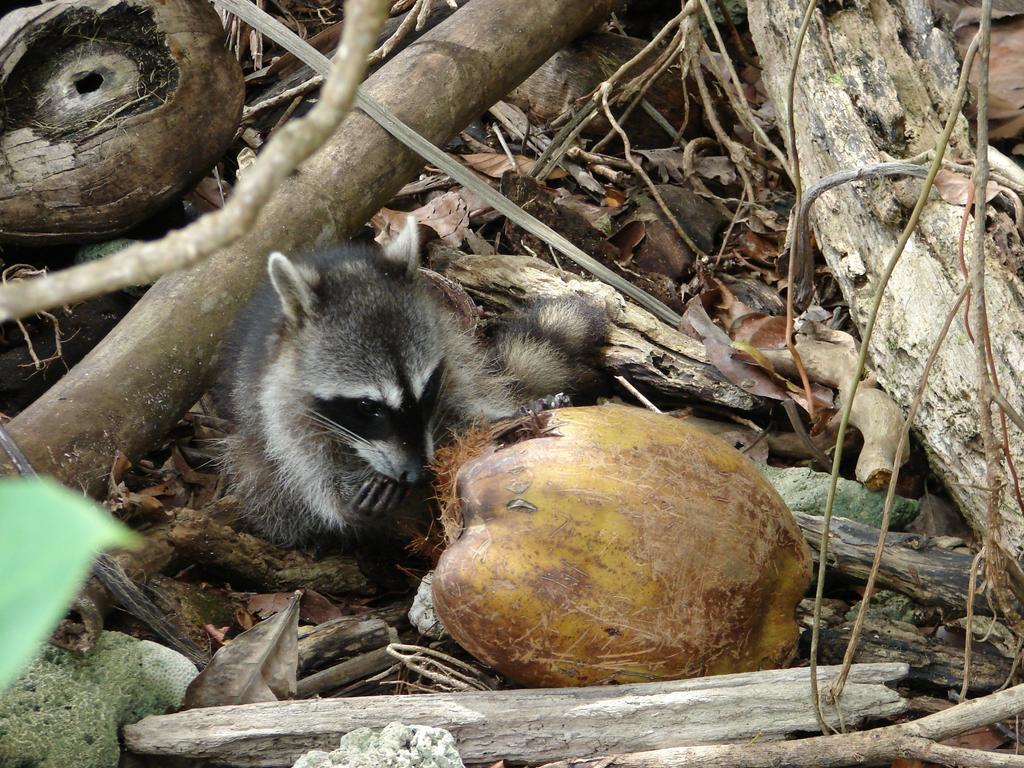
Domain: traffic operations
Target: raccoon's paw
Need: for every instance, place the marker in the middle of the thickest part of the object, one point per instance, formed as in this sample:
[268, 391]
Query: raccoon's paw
[547, 403]
[378, 495]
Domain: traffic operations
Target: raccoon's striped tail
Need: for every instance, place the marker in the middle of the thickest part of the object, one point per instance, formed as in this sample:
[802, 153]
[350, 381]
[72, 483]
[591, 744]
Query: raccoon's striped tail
[553, 347]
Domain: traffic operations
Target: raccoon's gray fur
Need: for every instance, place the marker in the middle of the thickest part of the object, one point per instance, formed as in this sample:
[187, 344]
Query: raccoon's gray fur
[345, 370]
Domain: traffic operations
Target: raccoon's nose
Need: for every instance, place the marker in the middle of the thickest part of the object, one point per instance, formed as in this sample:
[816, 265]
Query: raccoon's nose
[411, 476]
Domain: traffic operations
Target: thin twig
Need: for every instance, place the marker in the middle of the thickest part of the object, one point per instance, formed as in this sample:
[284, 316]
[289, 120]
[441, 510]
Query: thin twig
[647, 79]
[411, 20]
[737, 99]
[836, 687]
[279, 98]
[638, 169]
[794, 175]
[883, 282]
[972, 587]
[568, 134]
[995, 569]
[735, 150]
[628, 386]
[1008, 409]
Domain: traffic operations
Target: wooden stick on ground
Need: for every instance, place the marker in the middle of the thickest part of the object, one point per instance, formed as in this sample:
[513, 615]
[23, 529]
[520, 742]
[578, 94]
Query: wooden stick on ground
[911, 563]
[527, 725]
[913, 740]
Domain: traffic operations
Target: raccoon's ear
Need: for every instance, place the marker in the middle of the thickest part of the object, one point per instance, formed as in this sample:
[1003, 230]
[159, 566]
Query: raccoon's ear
[292, 287]
[404, 249]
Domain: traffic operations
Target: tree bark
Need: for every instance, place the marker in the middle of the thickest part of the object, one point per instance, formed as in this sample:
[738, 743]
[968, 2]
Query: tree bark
[874, 83]
[911, 563]
[528, 725]
[134, 386]
[659, 360]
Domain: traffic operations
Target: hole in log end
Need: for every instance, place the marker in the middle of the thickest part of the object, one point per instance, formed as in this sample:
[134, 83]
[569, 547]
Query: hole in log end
[89, 82]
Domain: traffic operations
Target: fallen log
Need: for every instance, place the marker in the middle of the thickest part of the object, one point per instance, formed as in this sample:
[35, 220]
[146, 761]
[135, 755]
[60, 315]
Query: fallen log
[916, 740]
[528, 725]
[847, 117]
[911, 563]
[132, 388]
[935, 664]
[662, 362]
[248, 559]
[111, 108]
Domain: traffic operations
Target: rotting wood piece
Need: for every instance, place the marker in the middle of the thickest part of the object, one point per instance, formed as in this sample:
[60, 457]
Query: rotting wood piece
[848, 117]
[528, 725]
[108, 110]
[934, 664]
[911, 564]
[252, 560]
[341, 638]
[917, 740]
[345, 673]
[131, 389]
[660, 361]
[874, 414]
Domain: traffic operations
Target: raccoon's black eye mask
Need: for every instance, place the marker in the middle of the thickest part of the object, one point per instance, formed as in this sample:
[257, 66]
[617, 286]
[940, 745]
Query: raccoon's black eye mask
[375, 420]
[370, 419]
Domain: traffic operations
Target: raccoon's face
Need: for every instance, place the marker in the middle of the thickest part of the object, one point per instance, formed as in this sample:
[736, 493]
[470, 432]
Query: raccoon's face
[365, 341]
[387, 419]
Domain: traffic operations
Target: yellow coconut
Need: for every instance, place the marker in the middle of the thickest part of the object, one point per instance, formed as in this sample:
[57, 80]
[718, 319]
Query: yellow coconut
[621, 546]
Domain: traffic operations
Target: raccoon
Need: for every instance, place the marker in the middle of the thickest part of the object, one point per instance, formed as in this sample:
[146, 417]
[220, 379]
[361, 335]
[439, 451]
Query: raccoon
[345, 371]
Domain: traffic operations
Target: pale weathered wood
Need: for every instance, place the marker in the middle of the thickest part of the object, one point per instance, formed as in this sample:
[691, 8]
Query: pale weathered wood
[874, 83]
[660, 361]
[528, 725]
[914, 740]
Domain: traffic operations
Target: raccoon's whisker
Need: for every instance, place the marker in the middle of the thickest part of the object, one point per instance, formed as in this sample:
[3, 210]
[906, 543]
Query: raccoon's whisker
[334, 435]
[328, 430]
[333, 428]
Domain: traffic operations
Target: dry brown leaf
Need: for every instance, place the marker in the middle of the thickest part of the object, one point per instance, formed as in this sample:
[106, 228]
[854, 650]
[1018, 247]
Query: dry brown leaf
[718, 168]
[745, 366]
[985, 738]
[314, 608]
[762, 331]
[447, 215]
[258, 665]
[667, 162]
[627, 239]
[955, 188]
[720, 352]
[496, 164]
[613, 198]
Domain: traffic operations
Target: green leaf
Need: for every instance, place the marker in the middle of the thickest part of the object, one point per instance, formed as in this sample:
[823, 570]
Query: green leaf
[48, 539]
